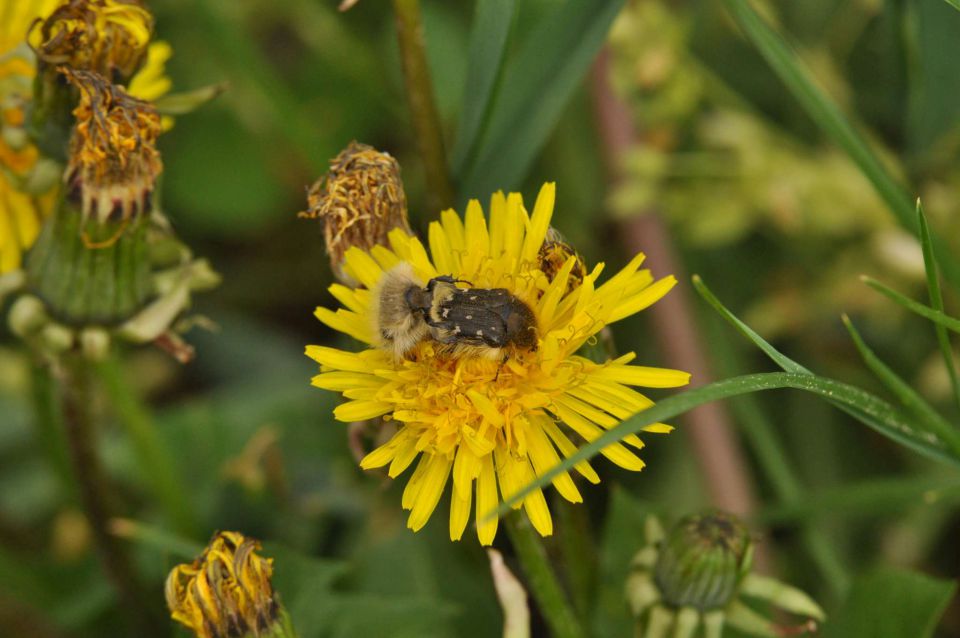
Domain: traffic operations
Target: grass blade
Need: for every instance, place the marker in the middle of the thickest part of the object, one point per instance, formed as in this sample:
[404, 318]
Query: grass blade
[828, 116]
[778, 357]
[935, 316]
[953, 3]
[884, 418]
[912, 401]
[488, 44]
[936, 298]
[869, 418]
[536, 87]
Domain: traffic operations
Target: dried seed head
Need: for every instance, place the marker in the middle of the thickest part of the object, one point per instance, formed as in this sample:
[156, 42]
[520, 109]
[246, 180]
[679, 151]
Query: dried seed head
[109, 37]
[360, 200]
[113, 161]
[554, 253]
[226, 592]
[702, 561]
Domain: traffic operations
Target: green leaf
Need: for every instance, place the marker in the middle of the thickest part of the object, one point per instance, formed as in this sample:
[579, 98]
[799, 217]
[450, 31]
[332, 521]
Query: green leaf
[903, 433]
[536, 86]
[933, 315]
[953, 3]
[779, 358]
[488, 44]
[936, 298]
[883, 417]
[828, 116]
[909, 397]
[187, 101]
[931, 32]
[892, 603]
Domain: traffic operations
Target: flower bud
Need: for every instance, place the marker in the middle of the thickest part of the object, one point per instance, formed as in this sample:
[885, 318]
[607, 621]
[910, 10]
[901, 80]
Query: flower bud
[702, 561]
[360, 200]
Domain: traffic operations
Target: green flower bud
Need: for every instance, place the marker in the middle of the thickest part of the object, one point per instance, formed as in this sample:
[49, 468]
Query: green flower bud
[702, 561]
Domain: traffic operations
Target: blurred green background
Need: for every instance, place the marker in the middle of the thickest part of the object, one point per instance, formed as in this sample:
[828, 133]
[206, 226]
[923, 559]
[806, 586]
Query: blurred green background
[777, 219]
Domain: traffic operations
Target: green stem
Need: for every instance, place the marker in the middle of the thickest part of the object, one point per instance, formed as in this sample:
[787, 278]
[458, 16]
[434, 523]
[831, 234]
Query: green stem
[49, 425]
[156, 462]
[95, 495]
[541, 578]
[576, 547]
[423, 108]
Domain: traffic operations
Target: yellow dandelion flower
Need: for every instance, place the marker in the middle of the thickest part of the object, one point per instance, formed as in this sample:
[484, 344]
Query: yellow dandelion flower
[492, 426]
[22, 207]
[227, 592]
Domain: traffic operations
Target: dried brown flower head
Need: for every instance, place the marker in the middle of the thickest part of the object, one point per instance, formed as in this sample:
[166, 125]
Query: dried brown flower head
[109, 37]
[360, 200]
[113, 160]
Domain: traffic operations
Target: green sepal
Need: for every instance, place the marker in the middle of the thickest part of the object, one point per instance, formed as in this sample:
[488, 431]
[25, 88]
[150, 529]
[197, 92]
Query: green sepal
[82, 285]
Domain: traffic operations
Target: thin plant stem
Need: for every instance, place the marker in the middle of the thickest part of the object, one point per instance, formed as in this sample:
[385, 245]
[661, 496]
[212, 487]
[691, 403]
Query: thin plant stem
[710, 429]
[158, 464]
[542, 579]
[48, 424]
[95, 494]
[423, 107]
[577, 549]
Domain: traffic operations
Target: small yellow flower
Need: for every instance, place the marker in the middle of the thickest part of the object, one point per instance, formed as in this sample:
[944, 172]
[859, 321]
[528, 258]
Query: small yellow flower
[26, 200]
[227, 591]
[492, 428]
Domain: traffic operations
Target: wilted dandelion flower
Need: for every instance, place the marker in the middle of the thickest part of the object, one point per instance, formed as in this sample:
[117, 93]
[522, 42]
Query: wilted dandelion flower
[27, 181]
[114, 161]
[227, 592]
[360, 200]
[109, 37]
[494, 426]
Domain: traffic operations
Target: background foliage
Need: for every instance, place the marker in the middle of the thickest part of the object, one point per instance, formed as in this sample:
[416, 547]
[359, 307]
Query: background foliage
[781, 192]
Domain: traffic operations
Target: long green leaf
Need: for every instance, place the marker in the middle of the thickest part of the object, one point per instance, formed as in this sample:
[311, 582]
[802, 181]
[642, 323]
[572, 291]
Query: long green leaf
[488, 44]
[779, 358]
[935, 316]
[936, 298]
[536, 86]
[909, 397]
[864, 416]
[828, 116]
[953, 3]
[884, 418]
